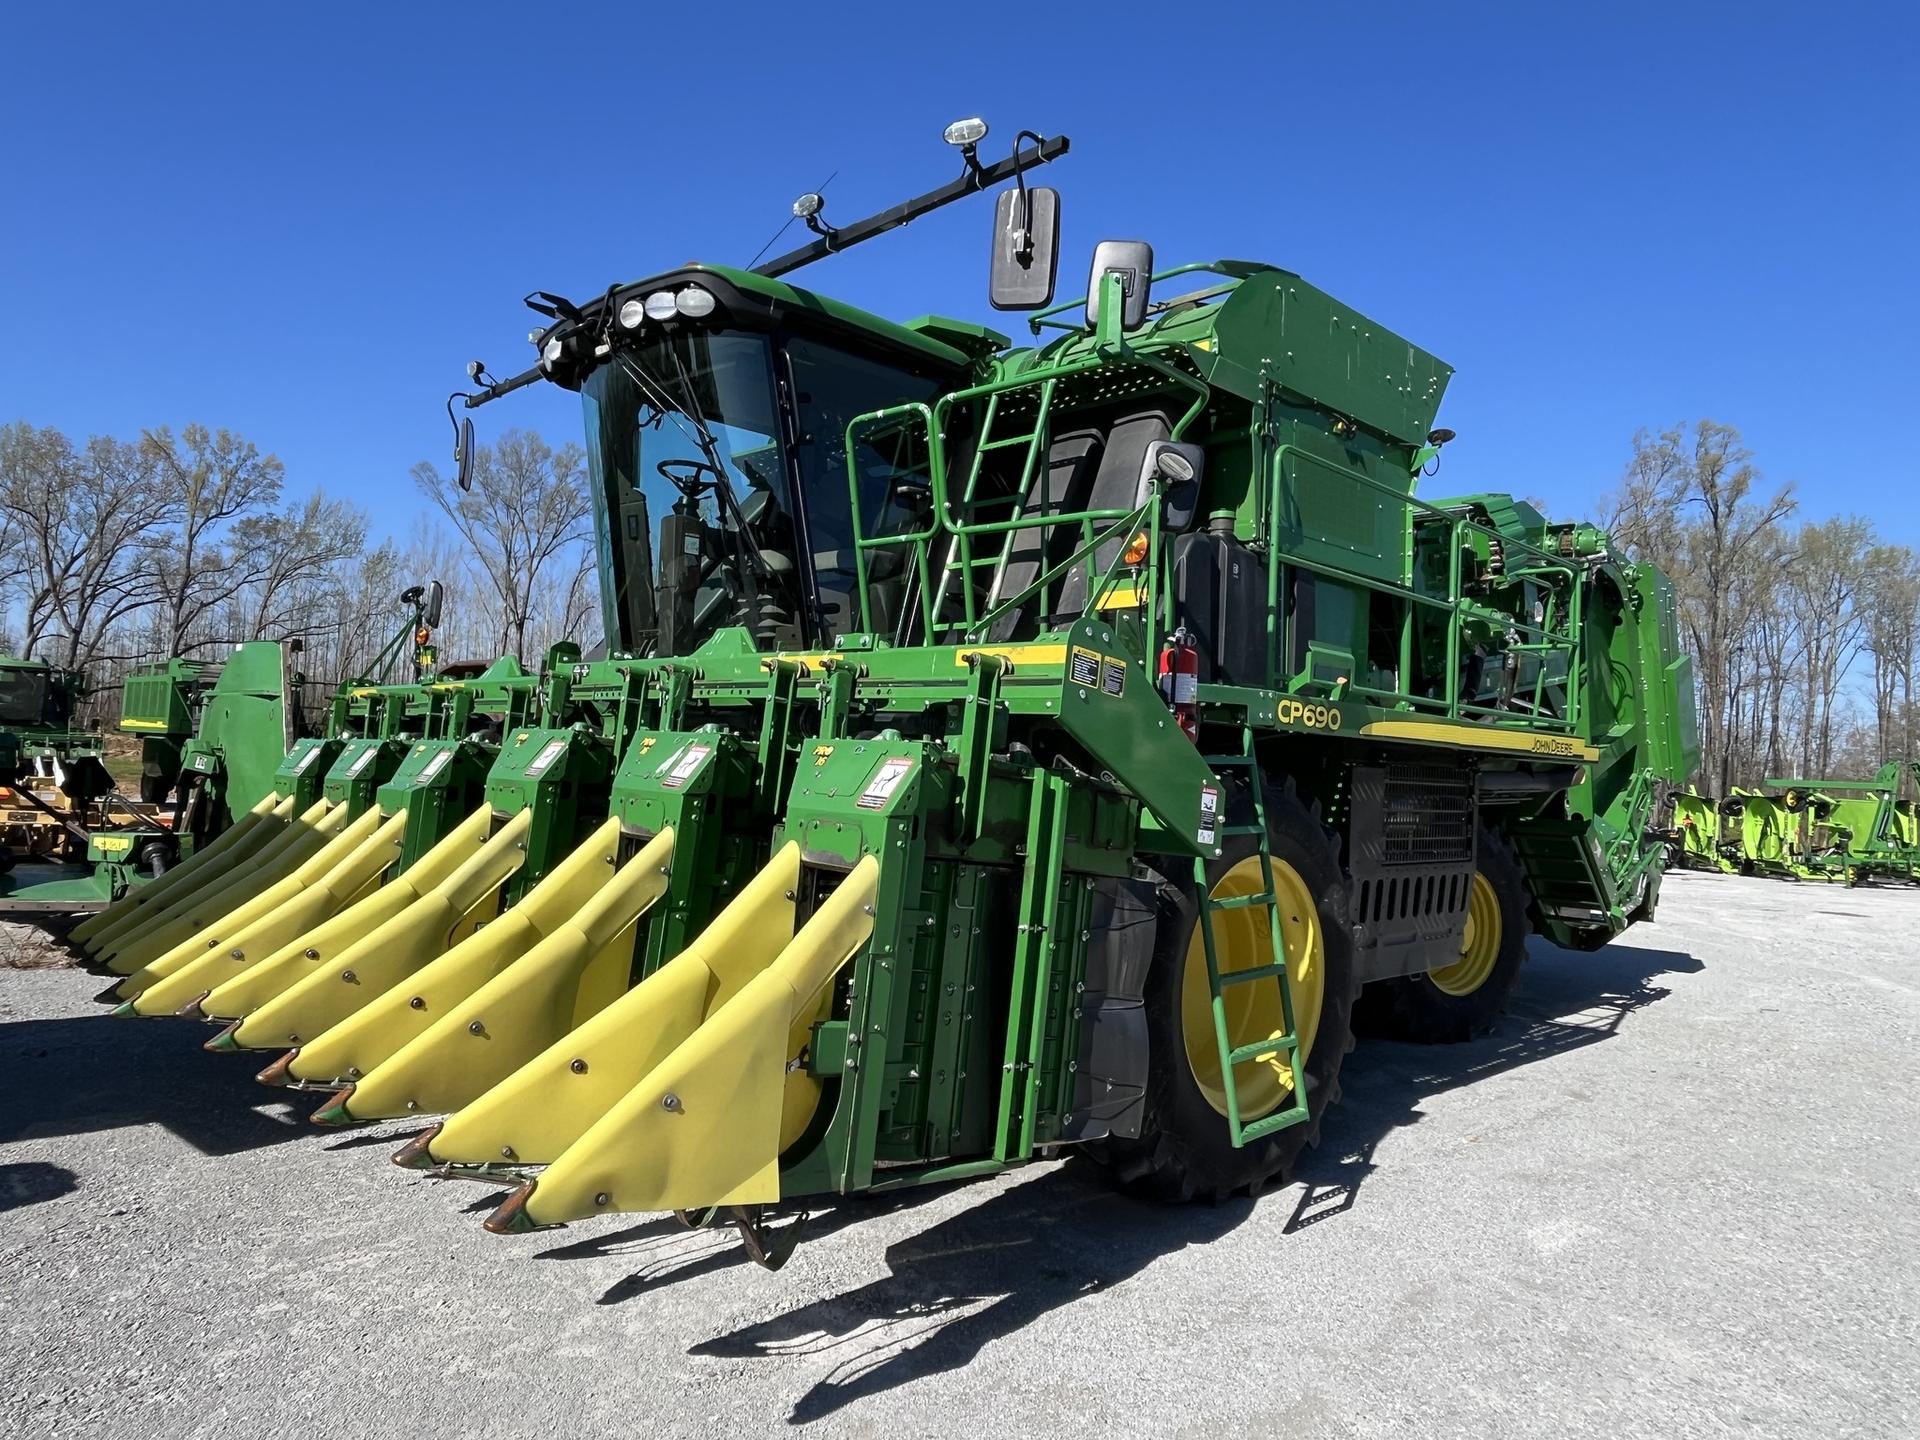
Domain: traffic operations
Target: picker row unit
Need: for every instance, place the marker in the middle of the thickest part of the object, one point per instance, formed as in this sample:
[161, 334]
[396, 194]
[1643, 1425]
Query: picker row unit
[998, 752]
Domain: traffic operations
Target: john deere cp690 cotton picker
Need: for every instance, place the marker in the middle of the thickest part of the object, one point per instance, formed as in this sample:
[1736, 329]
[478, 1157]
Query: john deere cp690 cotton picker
[998, 751]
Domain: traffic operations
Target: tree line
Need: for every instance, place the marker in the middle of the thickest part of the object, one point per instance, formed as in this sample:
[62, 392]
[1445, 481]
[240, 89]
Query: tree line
[1805, 633]
[118, 551]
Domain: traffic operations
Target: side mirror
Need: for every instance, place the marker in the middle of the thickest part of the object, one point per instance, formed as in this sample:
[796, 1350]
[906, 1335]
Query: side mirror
[463, 455]
[430, 607]
[1175, 467]
[1132, 260]
[1026, 248]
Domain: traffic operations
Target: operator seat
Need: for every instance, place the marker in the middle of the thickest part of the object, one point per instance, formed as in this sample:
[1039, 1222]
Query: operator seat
[1062, 488]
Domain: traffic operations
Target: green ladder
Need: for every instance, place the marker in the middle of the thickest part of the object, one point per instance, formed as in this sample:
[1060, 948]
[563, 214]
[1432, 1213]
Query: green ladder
[1288, 1043]
[962, 560]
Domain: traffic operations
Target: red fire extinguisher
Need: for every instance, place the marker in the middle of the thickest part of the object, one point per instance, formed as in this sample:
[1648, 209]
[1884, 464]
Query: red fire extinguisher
[1180, 681]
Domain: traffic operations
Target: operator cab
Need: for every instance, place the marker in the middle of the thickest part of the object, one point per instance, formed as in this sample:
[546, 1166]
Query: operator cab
[717, 404]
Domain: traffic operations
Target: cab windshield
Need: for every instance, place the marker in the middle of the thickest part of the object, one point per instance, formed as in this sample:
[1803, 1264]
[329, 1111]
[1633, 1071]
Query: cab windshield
[695, 515]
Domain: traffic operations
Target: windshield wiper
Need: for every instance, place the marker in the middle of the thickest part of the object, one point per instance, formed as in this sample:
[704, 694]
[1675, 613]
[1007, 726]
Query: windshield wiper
[735, 532]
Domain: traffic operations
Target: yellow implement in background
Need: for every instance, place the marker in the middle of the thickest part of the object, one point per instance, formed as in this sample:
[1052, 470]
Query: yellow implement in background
[342, 872]
[499, 997]
[244, 878]
[389, 952]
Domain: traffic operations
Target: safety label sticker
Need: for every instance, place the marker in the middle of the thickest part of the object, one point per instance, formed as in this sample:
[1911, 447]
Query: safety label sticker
[362, 760]
[434, 766]
[1209, 814]
[300, 765]
[885, 781]
[549, 752]
[1083, 667]
[682, 767]
[1113, 676]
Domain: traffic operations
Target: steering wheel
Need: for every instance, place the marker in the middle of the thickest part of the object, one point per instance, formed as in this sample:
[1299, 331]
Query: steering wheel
[684, 475]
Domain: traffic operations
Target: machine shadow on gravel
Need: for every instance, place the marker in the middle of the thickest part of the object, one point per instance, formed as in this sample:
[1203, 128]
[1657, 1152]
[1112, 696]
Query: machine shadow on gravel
[662, 1242]
[1564, 1001]
[994, 1269]
[971, 1279]
[60, 1079]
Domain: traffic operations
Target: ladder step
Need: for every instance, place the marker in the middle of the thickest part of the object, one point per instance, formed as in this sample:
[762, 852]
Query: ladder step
[1006, 444]
[1243, 977]
[1242, 902]
[1267, 1124]
[1243, 830]
[1279, 1045]
[1216, 761]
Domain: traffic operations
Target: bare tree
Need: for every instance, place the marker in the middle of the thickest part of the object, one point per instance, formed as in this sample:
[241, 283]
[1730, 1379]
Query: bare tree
[1892, 605]
[1823, 584]
[285, 555]
[527, 509]
[88, 523]
[217, 481]
[1686, 503]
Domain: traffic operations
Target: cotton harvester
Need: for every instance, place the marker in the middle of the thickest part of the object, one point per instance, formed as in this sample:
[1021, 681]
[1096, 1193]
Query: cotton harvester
[998, 751]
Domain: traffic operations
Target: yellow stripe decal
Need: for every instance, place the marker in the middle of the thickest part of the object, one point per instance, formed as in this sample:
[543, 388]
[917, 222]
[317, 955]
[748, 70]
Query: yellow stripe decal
[1015, 655]
[1479, 737]
[143, 724]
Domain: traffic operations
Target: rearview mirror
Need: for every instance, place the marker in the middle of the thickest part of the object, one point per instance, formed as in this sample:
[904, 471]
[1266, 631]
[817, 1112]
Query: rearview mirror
[1132, 260]
[463, 455]
[430, 607]
[1026, 248]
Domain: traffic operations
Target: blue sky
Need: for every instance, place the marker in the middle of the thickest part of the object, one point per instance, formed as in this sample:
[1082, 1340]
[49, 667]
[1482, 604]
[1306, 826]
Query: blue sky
[301, 223]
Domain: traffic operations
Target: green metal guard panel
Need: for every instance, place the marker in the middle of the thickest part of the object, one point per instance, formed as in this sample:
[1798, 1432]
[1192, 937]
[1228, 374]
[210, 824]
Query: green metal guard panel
[303, 772]
[1330, 353]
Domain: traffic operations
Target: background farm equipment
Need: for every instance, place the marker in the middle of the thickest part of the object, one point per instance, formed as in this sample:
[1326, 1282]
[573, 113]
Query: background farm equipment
[1846, 830]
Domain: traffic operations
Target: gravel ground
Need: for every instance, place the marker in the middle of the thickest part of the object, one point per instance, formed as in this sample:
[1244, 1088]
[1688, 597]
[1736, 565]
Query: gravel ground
[1675, 1194]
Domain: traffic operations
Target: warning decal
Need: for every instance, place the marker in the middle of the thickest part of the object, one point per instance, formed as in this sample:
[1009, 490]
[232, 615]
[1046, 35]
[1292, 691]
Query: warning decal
[1209, 814]
[300, 765]
[1083, 667]
[682, 767]
[434, 766]
[549, 752]
[362, 760]
[1113, 676]
[886, 780]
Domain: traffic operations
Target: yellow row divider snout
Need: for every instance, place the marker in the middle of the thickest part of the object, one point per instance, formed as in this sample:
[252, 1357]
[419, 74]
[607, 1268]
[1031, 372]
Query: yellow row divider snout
[707, 1123]
[389, 952]
[236, 879]
[91, 932]
[325, 883]
[502, 996]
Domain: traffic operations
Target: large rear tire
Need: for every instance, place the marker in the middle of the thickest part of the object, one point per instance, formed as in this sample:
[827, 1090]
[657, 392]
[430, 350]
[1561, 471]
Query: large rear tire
[1466, 998]
[1185, 1149]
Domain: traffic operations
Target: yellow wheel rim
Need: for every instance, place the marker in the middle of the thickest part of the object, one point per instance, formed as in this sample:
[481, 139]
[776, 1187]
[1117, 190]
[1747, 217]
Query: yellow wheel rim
[1243, 941]
[1479, 944]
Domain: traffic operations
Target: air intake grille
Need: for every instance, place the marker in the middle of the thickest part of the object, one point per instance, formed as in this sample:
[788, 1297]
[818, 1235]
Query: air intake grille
[1427, 815]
